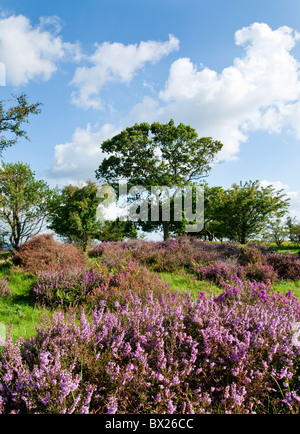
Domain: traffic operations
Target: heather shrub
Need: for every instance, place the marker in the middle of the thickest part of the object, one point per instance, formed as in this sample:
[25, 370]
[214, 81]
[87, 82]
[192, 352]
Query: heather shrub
[113, 254]
[170, 255]
[68, 286]
[130, 278]
[286, 265]
[260, 272]
[219, 271]
[43, 253]
[250, 254]
[73, 286]
[174, 355]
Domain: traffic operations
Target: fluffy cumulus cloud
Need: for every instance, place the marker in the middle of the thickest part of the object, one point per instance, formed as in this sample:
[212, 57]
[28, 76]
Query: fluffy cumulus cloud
[115, 62]
[78, 159]
[30, 52]
[259, 91]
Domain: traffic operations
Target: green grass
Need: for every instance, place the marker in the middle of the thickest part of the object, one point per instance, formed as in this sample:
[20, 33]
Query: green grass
[286, 247]
[186, 282]
[20, 312]
[286, 286]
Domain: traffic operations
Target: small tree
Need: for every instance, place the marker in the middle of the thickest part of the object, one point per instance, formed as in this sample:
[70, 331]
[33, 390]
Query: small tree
[293, 227]
[276, 232]
[12, 118]
[73, 214]
[23, 201]
[243, 211]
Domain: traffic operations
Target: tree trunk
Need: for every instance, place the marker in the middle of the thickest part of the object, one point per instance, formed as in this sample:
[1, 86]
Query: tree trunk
[166, 228]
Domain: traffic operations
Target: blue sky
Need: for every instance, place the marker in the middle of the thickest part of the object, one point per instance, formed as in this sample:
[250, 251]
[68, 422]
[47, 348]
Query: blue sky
[228, 68]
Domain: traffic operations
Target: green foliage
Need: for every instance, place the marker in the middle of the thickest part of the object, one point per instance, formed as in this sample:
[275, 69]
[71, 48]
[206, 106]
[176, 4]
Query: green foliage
[74, 214]
[276, 232]
[243, 211]
[117, 230]
[162, 155]
[293, 228]
[23, 201]
[12, 118]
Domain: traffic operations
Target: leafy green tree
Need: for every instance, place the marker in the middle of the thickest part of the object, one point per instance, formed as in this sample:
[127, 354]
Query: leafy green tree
[117, 230]
[243, 211]
[161, 155]
[214, 199]
[24, 201]
[276, 231]
[12, 118]
[293, 227]
[73, 214]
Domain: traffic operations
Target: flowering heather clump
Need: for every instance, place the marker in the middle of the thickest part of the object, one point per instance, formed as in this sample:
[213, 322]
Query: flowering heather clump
[5, 290]
[169, 255]
[218, 271]
[286, 265]
[250, 254]
[65, 287]
[113, 254]
[174, 355]
[68, 286]
[260, 272]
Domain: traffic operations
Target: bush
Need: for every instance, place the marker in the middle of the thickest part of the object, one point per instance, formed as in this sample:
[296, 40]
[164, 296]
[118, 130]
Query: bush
[286, 265]
[43, 253]
[250, 254]
[74, 286]
[68, 287]
[235, 354]
[113, 254]
[260, 272]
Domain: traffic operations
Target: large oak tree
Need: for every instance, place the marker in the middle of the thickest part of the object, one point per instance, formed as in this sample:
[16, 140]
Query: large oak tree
[163, 155]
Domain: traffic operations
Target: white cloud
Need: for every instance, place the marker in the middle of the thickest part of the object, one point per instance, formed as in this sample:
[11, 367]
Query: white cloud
[32, 52]
[259, 91]
[294, 196]
[115, 62]
[78, 159]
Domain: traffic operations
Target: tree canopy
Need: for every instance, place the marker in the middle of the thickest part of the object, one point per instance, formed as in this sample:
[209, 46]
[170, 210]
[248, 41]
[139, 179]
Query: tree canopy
[23, 201]
[243, 211]
[12, 118]
[73, 214]
[163, 155]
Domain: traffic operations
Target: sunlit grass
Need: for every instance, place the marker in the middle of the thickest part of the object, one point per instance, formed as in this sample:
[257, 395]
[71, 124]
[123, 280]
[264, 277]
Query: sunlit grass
[187, 282]
[19, 312]
[285, 286]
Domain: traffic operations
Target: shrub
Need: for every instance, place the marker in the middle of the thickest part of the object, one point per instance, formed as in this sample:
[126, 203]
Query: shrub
[260, 272]
[170, 255]
[286, 265]
[68, 287]
[176, 355]
[218, 271]
[43, 253]
[74, 286]
[250, 254]
[112, 254]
